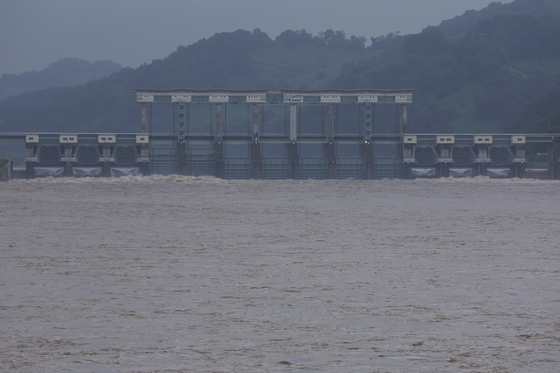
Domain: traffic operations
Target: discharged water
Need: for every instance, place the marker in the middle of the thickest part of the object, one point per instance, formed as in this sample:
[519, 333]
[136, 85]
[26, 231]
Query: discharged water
[172, 274]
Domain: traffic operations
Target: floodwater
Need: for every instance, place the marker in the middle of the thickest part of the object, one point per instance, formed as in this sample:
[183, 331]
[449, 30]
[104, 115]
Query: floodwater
[175, 274]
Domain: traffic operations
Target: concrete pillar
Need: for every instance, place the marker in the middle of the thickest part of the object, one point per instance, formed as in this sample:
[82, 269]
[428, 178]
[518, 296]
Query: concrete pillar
[294, 160]
[255, 123]
[293, 123]
[219, 159]
[330, 151]
[256, 159]
[144, 151]
[367, 146]
[404, 118]
[106, 170]
[106, 151]
[30, 150]
[144, 154]
[482, 169]
[29, 174]
[367, 153]
[331, 160]
[551, 161]
[68, 169]
[482, 151]
[68, 153]
[444, 169]
[520, 151]
[556, 161]
[181, 158]
[330, 124]
[407, 170]
[519, 170]
[368, 120]
[6, 171]
[68, 150]
[219, 123]
[181, 151]
[444, 152]
[144, 168]
[143, 118]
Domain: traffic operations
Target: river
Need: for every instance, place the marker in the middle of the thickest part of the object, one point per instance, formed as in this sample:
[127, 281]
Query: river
[174, 274]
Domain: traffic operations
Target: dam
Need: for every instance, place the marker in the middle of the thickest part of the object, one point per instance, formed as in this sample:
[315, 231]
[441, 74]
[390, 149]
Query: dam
[286, 134]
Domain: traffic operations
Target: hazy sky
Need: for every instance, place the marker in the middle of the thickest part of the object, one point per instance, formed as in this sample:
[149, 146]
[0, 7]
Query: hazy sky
[35, 33]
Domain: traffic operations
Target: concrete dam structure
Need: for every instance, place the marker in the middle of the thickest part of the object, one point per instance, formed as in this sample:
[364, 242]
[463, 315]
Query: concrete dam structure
[288, 134]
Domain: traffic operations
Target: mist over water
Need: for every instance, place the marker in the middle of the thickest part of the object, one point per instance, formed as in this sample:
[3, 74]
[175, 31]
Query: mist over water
[169, 274]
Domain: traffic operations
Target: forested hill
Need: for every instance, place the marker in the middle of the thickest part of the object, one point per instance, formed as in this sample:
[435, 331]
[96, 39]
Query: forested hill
[497, 77]
[476, 83]
[459, 25]
[239, 59]
[66, 72]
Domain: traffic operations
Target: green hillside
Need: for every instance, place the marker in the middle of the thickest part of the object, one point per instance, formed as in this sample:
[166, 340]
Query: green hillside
[65, 72]
[240, 59]
[460, 25]
[476, 83]
[490, 78]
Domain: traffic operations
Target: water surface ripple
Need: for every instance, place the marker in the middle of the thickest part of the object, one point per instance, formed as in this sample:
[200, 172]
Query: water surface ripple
[173, 274]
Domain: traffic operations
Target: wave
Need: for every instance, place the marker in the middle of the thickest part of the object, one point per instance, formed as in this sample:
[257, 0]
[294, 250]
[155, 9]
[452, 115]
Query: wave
[211, 180]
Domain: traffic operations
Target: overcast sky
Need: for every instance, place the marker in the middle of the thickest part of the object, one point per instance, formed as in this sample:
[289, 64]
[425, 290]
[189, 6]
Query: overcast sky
[35, 33]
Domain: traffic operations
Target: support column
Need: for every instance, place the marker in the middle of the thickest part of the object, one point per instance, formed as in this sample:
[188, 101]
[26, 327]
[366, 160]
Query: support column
[219, 123]
[143, 142]
[255, 123]
[106, 168]
[520, 170]
[219, 159]
[219, 145]
[331, 160]
[444, 155]
[144, 168]
[330, 151]
[293, 155]
[407, 170]
[367, 153]
[68, 169]
[68, 153]
[482, 166]
[181, 151]
[367, 146]
[29, 153]
[181, 159]
[6, 171]
[444, 169]
[293, 123]
[256, 160]
[519, 167]
[404, 119]
[143, 118]
[294, 160]
[483, 169]
[330, 124]
[550, 160]
[29, 174]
